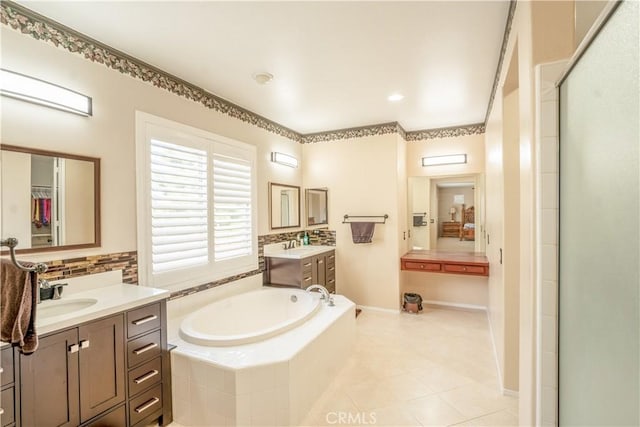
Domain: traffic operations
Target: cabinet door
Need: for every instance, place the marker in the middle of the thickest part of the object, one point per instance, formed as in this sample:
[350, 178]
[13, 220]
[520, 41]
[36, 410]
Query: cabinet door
[49, 382]
[102, 371]
[319, 270]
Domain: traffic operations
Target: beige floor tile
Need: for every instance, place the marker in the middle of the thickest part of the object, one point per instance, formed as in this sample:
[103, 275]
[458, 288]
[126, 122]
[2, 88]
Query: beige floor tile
[476, 400]
[392, 416]
[501, 418]
[434, 411]
[434, 368]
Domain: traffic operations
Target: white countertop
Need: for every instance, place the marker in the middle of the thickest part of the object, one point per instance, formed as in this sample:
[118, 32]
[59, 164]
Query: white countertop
[299, 252]
[108, 300]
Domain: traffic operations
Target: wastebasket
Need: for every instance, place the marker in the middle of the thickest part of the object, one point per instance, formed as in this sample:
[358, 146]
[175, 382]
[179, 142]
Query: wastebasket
[412, 303]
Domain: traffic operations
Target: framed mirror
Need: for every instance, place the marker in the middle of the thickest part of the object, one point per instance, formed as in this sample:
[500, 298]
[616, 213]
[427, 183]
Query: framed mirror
[317, 206]
[284, 206]
[50, 200]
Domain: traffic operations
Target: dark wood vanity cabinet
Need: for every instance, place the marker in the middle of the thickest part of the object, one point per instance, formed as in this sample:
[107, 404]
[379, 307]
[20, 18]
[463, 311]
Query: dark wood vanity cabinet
[112, 371]
[9, 402]
[318, 269]
[74, 375]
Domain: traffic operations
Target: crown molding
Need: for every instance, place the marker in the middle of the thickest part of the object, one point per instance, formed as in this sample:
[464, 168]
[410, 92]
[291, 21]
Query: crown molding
[47, 30]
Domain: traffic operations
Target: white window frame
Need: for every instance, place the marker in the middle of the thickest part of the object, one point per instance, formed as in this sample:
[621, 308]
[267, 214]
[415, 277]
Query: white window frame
[149, 126]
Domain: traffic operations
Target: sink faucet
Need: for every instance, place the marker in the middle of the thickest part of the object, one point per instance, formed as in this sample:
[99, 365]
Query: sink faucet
[325, 294]
[57, 290]
[290, 244]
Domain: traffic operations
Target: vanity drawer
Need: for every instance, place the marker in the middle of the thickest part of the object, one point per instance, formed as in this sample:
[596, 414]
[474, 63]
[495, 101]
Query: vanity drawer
[465, 269]
[422, 266]
[8, 406]
[144, 348]
[117, 417]
[143, 319]
[145, 376]
[307, 266]
[6, 362]
[148, 403]
[331, 272]
[331, 285]
[307, 281]
[331, 259]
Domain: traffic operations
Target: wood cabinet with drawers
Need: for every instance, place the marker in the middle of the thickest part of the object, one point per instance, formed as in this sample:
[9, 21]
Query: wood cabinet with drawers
[9, 403]
[112, 371]
[317, 269]
[450, 229]
[434, 261]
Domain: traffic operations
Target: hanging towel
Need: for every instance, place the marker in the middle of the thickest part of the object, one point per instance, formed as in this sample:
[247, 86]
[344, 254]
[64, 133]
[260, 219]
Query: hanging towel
[362, 232]
[18, 303]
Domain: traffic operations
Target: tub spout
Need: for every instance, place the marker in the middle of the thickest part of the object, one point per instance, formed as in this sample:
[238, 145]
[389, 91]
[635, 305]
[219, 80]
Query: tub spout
[325, 293]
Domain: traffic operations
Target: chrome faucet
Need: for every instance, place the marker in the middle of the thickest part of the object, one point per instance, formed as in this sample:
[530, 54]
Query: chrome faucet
[325, 294]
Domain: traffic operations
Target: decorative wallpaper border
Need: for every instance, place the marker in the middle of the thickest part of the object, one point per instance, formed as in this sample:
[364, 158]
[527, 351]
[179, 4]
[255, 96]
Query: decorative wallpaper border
[45, 29]
[448, 132]
[503, 51]
[82, 266]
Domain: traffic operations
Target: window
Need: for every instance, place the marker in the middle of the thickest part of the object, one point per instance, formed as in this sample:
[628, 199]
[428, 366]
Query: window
[196, 204]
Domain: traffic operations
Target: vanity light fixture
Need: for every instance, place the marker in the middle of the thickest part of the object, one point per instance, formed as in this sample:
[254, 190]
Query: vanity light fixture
[395, 97]
[452, 159]
[19, 86]
[284, 159]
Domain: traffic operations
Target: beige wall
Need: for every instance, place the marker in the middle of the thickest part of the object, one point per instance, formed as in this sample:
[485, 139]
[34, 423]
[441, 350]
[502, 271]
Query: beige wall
[362, 177]
[541, 31]
[109, 133]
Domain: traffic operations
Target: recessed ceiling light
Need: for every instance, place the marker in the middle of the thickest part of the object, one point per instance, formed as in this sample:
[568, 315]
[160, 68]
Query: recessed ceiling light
[395, 97]
[263, 78]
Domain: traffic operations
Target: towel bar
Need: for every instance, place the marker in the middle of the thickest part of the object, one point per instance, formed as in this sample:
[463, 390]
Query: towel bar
[384, 218]
[11, 243]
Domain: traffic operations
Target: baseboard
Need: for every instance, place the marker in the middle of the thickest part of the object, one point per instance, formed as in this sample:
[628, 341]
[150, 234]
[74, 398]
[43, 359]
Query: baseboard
[384, 310]
[455, 305]
[495, 355]
[512, 393]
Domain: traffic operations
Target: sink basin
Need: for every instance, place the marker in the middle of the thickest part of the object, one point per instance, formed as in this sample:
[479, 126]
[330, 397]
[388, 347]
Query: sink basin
[63, 306]
[299, 252]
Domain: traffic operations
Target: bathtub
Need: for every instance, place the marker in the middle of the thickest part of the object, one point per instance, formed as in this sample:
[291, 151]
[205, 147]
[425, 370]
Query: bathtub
[249, 317]
[258, 358]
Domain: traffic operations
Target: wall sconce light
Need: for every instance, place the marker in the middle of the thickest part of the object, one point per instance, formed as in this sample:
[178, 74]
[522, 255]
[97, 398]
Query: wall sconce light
[452, 159]
[284, 159]
[19, 86]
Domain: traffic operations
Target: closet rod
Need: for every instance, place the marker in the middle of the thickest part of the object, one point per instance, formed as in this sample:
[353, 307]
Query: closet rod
[11, 243]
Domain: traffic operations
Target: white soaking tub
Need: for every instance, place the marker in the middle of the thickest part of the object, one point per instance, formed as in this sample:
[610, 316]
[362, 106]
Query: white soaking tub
[296, 349]
[249, 317]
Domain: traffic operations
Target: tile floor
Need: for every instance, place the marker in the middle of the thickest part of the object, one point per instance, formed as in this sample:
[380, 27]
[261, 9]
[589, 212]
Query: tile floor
[436, 368]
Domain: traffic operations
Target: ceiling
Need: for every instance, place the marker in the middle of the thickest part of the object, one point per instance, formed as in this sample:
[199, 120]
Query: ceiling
[334, 63]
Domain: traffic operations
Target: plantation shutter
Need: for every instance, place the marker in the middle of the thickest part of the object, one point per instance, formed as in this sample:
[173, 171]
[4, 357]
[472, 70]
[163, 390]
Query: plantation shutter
[179, 231]
[232, 198]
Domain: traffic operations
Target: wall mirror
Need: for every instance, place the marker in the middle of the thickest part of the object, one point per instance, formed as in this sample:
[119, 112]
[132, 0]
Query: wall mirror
[284, 206]
[446, 213]
[50, 201]
[317, 211]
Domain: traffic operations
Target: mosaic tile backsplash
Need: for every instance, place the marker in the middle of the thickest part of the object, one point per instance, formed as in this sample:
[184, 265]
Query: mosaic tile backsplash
[128, 262]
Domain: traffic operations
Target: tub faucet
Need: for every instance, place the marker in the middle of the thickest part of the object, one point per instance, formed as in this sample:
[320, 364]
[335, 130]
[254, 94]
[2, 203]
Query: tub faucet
[325, 294]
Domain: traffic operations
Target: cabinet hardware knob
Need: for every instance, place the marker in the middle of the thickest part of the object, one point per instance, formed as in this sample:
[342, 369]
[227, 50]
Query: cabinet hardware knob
[84, 344]
[146, 405]
[146, 376]
[145, 320]
[145, 348]
[73, 348]
[421, 265]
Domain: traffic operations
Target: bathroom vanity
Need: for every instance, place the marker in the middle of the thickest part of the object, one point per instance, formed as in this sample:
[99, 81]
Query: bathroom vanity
[302, 267]
[102, 360]
[448, 262]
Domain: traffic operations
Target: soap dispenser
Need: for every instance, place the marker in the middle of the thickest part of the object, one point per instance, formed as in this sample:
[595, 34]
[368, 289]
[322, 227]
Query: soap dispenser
[306, 238]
